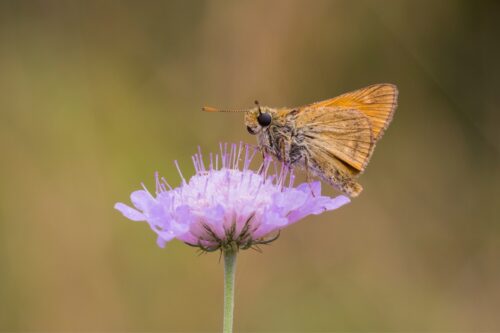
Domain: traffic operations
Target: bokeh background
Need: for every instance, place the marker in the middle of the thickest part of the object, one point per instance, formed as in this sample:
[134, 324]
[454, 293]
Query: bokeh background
[95, 96]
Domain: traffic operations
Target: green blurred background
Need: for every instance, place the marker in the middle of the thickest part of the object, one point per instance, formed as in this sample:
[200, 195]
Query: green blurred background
[95, 96]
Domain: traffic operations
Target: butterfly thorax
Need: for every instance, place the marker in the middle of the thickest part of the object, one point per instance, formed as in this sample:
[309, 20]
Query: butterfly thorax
[281, 138]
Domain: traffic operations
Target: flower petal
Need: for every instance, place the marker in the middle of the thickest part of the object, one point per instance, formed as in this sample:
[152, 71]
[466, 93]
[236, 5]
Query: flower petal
[164, 238]
[307, 187]
[338, 202]
[289, 200]
[161, 242]
[215, 216]
[271, 221]
[130, 212]
[317, 205]
[142, 200]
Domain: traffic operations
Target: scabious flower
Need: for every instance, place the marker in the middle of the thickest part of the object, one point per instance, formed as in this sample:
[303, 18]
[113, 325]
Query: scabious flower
[227, 205]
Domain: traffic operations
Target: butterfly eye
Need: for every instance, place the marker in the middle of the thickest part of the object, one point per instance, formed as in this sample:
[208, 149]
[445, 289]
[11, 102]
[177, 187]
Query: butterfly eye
[264, 119]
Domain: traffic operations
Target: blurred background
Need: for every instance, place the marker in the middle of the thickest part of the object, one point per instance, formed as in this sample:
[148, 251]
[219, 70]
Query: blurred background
[96, 96]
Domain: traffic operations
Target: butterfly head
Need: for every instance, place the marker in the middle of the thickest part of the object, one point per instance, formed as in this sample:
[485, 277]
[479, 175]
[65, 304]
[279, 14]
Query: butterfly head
[258, 118]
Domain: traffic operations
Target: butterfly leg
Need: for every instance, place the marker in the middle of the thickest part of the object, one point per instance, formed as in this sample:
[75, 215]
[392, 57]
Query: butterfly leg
[285, 145]
[308, 175]
[264, 154]
[284, 156]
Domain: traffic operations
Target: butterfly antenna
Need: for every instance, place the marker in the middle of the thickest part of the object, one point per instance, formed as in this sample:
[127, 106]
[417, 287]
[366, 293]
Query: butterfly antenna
[211, 109]
[258, 106]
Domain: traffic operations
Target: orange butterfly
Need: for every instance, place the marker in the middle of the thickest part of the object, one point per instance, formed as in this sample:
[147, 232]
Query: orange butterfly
[334, 139]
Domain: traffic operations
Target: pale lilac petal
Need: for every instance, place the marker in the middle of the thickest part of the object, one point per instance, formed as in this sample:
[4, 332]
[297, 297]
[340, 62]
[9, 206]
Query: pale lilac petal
[317, 206]
[289, 200]
[141, 199]
[161, 242]
[315, 187]
[179, 228]
[189, 238]
[129, 212]
[246, 214]
[215, 216]
[271, 221]
[338, 202]
[164, 238]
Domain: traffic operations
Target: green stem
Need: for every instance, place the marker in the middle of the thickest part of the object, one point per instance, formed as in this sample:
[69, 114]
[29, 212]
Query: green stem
[229, 272]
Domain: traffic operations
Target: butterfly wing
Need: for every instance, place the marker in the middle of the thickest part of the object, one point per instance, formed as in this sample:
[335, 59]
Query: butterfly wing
[336, 133]
[378, 102]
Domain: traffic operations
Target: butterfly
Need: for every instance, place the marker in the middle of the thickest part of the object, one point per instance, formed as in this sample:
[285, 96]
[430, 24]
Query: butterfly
[333, 139]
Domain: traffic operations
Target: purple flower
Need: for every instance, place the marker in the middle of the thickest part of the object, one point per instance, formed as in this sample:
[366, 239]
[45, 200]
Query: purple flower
[227, 205]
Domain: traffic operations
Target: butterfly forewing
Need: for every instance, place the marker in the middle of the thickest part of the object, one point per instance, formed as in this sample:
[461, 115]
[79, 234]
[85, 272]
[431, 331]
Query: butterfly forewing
[337, 132]
[378, 102]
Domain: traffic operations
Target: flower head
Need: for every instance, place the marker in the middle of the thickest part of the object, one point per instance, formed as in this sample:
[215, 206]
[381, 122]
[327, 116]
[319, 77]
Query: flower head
[227, 205]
